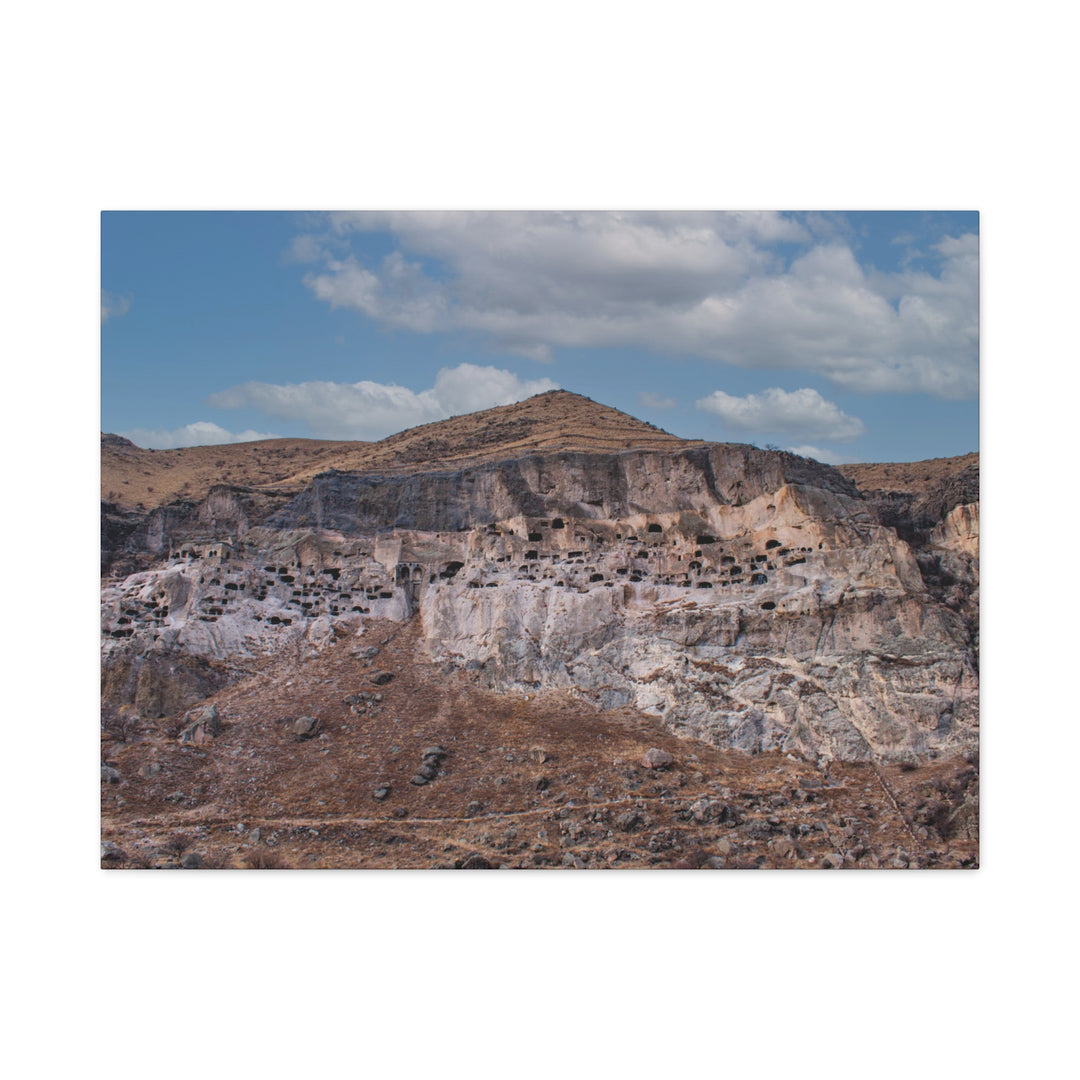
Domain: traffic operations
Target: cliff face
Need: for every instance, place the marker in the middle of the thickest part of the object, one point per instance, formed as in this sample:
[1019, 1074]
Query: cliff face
[576, 486]
[749, 598]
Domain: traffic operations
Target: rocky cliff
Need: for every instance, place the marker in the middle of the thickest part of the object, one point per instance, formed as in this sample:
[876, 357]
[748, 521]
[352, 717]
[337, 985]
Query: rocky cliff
[753, 599]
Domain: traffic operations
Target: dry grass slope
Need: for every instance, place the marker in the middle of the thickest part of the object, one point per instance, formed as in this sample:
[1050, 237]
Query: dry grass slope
[912, 477]
[559, 420]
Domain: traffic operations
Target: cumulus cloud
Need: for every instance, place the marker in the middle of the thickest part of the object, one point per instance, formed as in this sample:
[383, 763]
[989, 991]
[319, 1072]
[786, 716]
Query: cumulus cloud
[112, 307]
[371, 410]
[798, 414]
[201, 433]
[720, 286]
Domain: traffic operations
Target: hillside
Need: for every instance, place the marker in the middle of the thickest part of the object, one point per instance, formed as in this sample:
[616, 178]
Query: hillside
[915, 497]
[546, 634]
[910, 477]
[132, 477]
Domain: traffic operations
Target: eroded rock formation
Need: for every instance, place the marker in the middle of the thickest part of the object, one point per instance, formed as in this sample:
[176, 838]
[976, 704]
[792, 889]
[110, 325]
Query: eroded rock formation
[753, 599]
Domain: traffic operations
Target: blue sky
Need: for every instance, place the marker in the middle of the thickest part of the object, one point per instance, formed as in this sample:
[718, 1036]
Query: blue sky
[845, 336]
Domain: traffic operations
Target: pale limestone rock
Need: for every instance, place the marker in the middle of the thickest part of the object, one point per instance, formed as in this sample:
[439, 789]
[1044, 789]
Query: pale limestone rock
[708, 590]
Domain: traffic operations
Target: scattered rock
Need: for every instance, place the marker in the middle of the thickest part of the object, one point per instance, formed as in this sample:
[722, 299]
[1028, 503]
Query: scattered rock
[539, 755]
[705, 811]
[380, 678]
[629, 821]
[191, 861]
[419, 780]
[152, 769]
[655, 758]
[109, 775]
[110, 851]
[783, 847]
[474, 862]
[201, 727]
[832, 861]
[366, 652]
[305, 727]
[759, 830]
[662, 840]
[381, 792]
[474, 808]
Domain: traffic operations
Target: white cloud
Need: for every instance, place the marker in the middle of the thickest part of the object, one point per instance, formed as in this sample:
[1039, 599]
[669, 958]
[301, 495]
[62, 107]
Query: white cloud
[112, 307]
[800, 414]
[306, 248]
[957, 246]
[656, 401]
[704, 284]
[371, 410]
[830, 457]
[201, 433]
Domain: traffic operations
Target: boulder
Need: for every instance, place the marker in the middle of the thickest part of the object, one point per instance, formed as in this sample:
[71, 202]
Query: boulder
[381, 678]
[654, 758]
[201, 726]
[783, 847]
[305, 727]
[109, 775]
[476, 862]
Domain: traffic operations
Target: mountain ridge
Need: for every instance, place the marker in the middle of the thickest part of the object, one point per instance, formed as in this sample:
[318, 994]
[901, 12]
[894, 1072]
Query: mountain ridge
[555, 420]
[136, 478]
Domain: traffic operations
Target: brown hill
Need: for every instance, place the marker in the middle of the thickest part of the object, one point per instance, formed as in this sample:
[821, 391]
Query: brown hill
[910, 477]
[557, 420]
[525, 782]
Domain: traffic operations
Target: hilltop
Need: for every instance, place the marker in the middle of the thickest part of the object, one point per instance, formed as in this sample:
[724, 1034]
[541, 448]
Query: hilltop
[132, 477]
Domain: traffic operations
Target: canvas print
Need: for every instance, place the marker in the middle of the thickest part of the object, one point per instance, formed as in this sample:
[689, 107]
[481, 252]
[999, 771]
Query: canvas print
[540, 540]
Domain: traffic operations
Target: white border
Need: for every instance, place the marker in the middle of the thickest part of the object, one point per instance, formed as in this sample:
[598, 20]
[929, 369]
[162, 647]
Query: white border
[121, 105]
